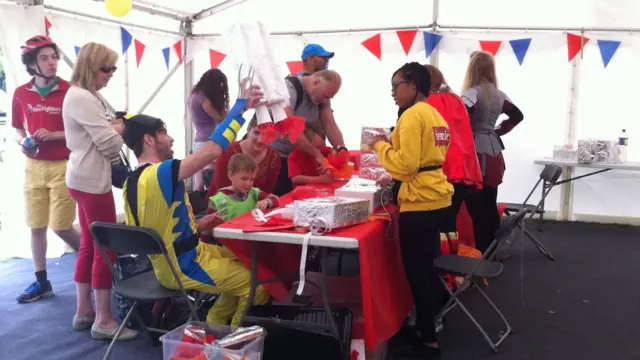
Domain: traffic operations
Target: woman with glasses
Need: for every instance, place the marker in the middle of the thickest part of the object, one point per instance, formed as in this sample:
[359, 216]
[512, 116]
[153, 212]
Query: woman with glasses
[94, 138]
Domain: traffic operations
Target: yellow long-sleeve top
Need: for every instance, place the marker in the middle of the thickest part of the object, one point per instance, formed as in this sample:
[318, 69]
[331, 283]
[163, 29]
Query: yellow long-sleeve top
[420, 139]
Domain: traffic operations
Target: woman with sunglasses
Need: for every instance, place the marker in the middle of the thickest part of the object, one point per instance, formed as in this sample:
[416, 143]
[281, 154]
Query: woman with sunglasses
[94, 138]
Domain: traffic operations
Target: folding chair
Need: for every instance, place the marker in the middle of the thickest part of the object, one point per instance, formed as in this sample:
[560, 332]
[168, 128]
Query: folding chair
[548, 177]
[133, 240]
[471, 268]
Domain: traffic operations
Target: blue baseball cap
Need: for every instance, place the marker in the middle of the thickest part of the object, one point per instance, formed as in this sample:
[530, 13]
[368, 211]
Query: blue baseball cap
[315, 50]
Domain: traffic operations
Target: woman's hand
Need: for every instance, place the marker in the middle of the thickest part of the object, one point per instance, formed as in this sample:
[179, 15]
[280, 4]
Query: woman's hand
[373, 140]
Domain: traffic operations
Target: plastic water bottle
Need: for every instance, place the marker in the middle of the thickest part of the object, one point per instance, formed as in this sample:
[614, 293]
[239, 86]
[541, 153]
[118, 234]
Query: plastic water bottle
[30, 145]
[623, 142]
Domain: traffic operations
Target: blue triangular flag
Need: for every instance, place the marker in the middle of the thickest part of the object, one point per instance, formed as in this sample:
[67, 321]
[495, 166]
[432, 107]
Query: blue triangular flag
[167, 53]
[607, 49]
[3, 81]
[127, 38]
[77, 48]
[431, 41]
[520, 48]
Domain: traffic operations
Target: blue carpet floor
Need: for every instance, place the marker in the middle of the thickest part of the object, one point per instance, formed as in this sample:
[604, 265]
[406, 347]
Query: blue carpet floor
[582, 306]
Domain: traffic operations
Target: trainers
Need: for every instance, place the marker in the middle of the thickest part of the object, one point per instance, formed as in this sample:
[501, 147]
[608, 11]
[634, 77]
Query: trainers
[35, 292]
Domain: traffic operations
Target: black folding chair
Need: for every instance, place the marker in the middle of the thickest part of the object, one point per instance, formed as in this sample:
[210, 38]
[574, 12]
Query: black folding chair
[471, 268]
[548, 177]
[133, 240]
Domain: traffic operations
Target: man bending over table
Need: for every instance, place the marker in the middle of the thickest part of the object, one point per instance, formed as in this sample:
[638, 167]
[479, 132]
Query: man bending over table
[156, 198]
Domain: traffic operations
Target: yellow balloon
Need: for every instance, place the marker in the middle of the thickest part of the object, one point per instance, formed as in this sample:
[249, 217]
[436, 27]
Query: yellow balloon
[118, 8]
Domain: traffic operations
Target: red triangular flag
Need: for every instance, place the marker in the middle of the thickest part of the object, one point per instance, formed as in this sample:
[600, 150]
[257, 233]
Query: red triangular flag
[575, 44]
[215, 58]
[406, 39]
[374, 45]
[139, 51]
[490, 46]
[178, 47]
[295, 67]
[47, 25]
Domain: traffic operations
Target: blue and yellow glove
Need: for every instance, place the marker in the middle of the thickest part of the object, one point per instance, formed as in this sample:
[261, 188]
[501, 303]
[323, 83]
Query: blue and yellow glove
[227, 130]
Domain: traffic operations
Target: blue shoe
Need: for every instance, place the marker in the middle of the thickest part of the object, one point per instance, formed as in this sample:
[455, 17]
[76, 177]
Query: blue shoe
[35, 292]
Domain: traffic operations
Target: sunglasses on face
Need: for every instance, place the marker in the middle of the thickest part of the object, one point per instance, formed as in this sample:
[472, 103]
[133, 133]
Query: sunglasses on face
[108, 70]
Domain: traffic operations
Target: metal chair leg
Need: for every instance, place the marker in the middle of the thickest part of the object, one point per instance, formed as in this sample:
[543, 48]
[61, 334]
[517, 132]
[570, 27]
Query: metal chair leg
[107, 355]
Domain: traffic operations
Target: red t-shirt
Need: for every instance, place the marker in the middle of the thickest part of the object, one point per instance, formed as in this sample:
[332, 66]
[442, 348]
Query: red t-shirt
[38, 112]
[301, 163]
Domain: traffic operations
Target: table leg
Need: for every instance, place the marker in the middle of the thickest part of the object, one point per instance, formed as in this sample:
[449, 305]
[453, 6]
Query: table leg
[325, 297]
[254, 280]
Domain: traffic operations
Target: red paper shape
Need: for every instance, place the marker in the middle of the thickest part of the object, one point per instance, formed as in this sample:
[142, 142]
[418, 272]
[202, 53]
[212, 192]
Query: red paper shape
[292, 126]
[295, 67]
[215, 58]
[490, 46]
[47, 25]
[178, 47]
[406, 39]
[268, 133]
[374, 45]
[575, 44]
[139, 51]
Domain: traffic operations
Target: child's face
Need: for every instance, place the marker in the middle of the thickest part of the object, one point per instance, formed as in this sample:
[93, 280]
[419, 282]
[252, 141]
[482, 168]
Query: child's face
[242, 181]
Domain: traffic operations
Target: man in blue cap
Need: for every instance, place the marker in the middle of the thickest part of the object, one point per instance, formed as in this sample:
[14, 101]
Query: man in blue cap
[315, 58]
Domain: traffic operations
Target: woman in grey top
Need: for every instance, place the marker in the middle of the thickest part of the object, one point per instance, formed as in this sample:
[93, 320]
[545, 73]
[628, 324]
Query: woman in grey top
[208, 104]
[485, 103]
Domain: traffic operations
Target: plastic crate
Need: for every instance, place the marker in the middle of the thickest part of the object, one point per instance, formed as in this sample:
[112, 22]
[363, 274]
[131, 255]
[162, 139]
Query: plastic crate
[173, 339]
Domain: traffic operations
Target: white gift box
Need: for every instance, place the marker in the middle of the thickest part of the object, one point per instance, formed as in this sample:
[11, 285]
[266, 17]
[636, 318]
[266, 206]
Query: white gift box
[332, 212]
[365, 189]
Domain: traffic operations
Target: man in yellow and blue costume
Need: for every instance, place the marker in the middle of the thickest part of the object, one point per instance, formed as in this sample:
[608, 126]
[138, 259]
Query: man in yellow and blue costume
[156, 198]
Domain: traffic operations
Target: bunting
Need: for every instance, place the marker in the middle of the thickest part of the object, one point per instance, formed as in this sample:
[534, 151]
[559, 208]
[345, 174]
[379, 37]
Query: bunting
[47, 26]
[431, 41]
[406, 38]
[520, 48]
[575, 43]
[139, 47]
[178, 48]
[3, 80]
[77, 49]
[295, 67]
[490, 46]
[374, 45]
[167, 53]
[126, 38]
[215, 58]
[607, 49]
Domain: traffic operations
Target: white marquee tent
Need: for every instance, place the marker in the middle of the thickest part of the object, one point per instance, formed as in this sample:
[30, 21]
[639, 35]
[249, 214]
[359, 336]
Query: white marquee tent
[563, 100]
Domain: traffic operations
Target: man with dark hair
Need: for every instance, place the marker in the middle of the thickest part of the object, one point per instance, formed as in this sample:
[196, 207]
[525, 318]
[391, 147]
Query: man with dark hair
[315, 58]
[37, 118]
[156, 198]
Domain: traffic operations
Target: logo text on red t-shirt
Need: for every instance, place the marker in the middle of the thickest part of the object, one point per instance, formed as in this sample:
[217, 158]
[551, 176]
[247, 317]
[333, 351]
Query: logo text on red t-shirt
[51, 110]
[441, 135]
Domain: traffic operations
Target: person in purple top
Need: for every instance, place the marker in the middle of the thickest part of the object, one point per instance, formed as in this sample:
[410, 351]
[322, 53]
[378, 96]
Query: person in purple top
[208, 104]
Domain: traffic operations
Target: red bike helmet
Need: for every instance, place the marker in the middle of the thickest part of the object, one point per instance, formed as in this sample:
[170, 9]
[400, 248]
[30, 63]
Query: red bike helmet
[30, 50]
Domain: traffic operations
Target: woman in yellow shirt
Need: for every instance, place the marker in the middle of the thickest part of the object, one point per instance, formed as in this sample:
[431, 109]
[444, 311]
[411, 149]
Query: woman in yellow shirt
[414, 156]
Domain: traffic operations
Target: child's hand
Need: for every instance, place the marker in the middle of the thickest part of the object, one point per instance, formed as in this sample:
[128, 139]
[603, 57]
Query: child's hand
[324, 178]
[263, 205]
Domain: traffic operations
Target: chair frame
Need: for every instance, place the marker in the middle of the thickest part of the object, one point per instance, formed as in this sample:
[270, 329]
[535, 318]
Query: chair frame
[504, 233]
[549, 176]
[160, 250]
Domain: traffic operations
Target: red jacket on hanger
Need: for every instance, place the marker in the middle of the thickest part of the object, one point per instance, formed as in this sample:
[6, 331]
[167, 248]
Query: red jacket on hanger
[461, 165]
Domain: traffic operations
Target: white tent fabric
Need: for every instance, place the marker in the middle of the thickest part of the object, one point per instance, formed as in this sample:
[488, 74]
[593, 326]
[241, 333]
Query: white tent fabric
[545, 86]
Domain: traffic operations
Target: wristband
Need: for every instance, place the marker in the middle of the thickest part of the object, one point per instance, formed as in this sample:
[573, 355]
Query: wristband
[226, 132]
[341, 147]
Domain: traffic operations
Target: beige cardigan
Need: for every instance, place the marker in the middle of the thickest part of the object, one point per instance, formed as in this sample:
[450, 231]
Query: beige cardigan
[93, 142]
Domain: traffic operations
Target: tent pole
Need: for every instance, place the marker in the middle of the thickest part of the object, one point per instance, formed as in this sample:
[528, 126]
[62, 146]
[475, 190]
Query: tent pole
[227, 4]
[188, 85]
[158, 88]
[434, 57]
[337, 31]
[566, 190]
[127, 95]
[155, 10]
[537, 28]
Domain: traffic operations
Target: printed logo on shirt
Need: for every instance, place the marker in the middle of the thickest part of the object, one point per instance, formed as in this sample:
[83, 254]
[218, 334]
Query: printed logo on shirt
[51, 110]
[441, 135]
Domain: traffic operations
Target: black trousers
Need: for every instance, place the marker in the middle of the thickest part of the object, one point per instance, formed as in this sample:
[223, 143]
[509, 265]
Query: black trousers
[460, 195]
[483, 209]
[420, 245]
[284, 184]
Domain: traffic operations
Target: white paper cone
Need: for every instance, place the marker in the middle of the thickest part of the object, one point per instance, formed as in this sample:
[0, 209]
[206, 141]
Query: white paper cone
[278, 113]
[262, 115]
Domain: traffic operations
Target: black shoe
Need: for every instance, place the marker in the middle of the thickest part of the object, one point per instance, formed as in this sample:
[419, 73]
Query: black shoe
[35, 292]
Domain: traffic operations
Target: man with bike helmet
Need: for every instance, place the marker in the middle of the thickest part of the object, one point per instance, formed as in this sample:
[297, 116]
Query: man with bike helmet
[37, 118]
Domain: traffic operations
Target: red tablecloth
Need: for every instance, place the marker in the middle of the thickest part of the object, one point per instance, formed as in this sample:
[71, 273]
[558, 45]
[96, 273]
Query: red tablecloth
[386, 296]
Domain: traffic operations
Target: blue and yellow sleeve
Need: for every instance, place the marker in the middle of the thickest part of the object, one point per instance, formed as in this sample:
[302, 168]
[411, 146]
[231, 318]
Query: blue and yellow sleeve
[228, 129]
